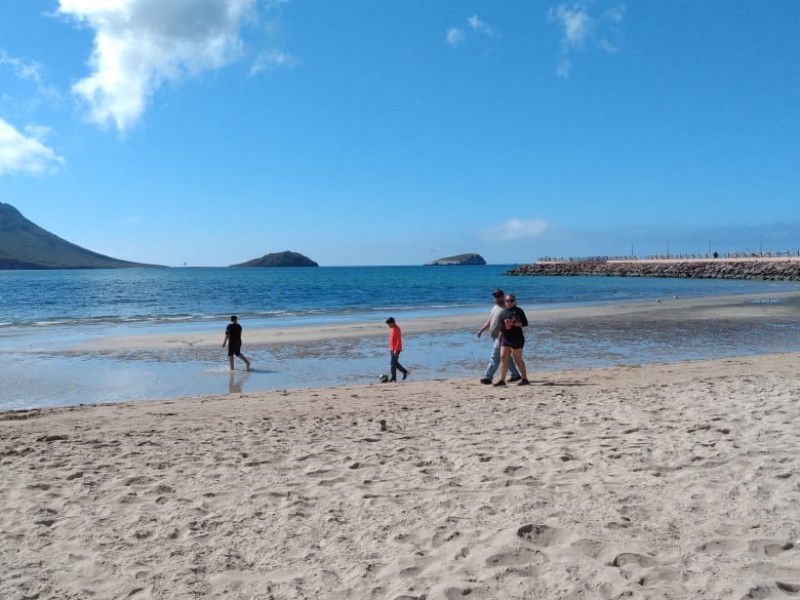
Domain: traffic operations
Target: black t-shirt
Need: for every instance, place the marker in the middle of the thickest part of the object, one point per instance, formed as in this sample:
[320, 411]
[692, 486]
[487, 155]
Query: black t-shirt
[234, 331]
[514, 336]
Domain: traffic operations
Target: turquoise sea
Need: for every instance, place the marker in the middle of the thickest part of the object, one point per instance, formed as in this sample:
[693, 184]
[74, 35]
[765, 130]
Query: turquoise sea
[43, 312]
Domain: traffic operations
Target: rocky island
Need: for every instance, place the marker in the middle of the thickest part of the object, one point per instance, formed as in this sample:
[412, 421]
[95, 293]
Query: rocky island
[279, 259]
[458, 260]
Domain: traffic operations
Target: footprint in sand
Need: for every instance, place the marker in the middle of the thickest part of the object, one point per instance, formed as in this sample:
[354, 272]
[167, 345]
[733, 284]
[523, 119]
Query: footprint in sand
[763, 547]
[631, 559]
[517, 557]
[761, 591]
[722, 546]
[769, 547]
[541, 535]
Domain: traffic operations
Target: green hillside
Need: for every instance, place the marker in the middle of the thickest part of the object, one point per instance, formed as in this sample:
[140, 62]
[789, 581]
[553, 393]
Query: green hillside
[25, 245]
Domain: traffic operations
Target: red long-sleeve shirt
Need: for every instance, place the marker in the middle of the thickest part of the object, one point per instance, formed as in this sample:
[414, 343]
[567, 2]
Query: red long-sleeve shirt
[395, 339]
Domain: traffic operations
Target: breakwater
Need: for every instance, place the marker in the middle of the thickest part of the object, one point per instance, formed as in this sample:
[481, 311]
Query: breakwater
[766, 270]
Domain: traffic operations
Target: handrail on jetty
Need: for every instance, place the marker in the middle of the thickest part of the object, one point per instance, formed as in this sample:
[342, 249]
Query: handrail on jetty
[787, 255]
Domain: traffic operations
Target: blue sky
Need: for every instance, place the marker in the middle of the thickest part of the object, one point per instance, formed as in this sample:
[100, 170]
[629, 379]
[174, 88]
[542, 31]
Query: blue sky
[210, 132]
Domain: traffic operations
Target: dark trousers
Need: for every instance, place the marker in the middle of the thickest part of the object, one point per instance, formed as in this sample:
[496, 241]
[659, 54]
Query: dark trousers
[396, 366]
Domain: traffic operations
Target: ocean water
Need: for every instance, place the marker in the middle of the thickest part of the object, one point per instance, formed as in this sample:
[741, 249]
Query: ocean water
[142, 298]
[43, 312]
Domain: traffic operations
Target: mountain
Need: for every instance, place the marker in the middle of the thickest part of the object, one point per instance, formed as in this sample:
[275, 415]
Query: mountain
[25, 245]
[459, 259]
[280, 259]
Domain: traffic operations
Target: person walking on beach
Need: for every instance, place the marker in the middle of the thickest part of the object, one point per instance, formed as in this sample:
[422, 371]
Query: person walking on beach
[494, 325]
[395, 348]
[233, 339]
[512, 340]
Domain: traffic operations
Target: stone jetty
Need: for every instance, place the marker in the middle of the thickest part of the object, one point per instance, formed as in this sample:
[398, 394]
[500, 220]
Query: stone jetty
[767, 269]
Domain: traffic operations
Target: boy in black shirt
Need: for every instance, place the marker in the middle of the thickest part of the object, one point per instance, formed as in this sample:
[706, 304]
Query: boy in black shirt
[233, 339]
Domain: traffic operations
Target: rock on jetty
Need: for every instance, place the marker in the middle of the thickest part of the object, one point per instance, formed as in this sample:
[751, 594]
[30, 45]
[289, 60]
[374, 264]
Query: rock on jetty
[785, 269]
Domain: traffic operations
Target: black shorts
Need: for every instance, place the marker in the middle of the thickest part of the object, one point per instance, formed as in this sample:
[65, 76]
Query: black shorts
[515, 344]
[234, 348]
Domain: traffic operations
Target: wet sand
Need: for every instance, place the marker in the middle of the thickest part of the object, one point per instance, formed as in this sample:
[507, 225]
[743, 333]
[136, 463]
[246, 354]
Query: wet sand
[165, 364]
[739, 306]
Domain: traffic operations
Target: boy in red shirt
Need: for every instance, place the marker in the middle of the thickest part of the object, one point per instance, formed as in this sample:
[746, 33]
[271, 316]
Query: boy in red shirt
[395, 347]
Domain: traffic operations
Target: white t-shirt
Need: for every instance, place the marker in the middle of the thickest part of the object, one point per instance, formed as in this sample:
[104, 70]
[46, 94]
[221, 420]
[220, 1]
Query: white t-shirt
[495, 326]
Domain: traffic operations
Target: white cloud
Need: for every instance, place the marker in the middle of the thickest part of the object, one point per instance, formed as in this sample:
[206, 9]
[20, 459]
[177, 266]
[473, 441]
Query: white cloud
[274, 59]
[579, 28]
[476, 24]
[21, 153]
[516, 229]
[575, 22]
[141, 44]
[27, 70]
[456, 35]
[615, 13]
[607, 46]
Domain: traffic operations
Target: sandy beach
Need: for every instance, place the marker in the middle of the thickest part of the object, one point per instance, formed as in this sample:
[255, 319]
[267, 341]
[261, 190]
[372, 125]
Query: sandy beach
[662, 481]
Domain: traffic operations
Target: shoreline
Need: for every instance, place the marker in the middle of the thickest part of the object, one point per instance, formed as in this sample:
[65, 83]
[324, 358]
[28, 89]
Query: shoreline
[668, 480]
[165, 365]
[460, 322]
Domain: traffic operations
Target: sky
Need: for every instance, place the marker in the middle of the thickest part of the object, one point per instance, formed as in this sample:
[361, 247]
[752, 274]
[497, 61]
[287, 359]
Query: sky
[362, 132]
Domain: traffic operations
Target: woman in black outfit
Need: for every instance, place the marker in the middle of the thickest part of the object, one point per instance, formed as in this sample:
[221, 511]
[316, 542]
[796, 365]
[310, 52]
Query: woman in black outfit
[512, 340]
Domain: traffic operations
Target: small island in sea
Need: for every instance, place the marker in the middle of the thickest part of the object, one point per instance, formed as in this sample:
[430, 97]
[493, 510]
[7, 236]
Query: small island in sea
[279, 259]
[457, 260]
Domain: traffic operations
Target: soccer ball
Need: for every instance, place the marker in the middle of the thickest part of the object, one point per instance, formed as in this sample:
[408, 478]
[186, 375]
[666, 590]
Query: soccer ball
[383, 378]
